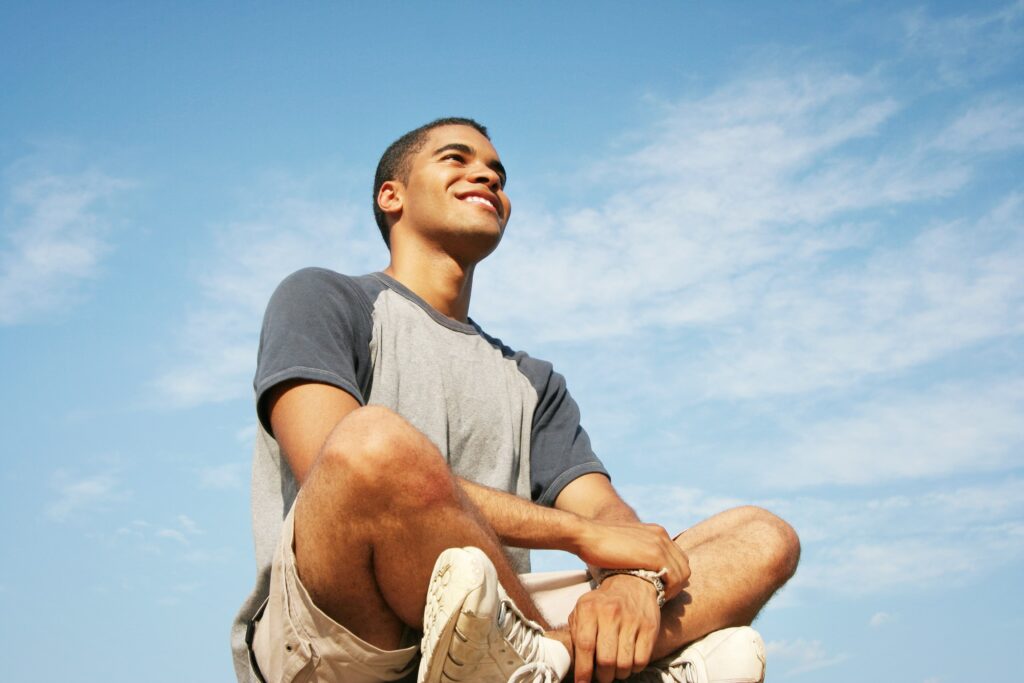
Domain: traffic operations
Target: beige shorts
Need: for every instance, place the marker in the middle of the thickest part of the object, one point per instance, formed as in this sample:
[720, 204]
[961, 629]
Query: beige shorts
[293, 641]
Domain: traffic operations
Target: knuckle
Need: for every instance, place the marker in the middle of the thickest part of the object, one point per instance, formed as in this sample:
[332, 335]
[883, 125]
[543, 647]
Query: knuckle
[612, 608]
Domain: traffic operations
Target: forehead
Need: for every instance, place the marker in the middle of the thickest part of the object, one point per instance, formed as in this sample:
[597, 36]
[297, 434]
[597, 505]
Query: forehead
[456, 134]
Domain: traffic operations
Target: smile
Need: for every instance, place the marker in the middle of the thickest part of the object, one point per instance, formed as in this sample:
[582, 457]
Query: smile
[473, 199]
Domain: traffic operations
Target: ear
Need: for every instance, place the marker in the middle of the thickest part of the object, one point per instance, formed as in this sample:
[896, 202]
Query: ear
[389, 199]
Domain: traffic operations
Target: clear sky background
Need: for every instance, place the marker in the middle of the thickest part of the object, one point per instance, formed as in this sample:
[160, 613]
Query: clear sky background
[776, 248]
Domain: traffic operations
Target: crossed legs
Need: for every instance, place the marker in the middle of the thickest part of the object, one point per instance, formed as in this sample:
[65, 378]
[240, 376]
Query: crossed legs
[380, 504]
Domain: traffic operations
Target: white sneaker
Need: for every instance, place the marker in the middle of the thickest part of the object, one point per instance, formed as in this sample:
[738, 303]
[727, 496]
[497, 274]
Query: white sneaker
[519, 650]
[732, 655]
[473, 632]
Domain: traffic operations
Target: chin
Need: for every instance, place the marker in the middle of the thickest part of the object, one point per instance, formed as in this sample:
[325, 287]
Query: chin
[474, 245]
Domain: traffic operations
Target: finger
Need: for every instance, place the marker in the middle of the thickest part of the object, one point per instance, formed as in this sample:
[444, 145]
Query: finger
[584, 637]
[678, 574]
[627, 645]
[642, 649]
[607, 654]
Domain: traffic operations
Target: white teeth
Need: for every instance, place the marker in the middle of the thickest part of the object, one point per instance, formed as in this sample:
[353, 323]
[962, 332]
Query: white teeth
[478, 200]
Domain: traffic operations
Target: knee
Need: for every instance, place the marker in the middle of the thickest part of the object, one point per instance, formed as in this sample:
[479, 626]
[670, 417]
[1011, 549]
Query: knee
[378, 454]
[776, 539]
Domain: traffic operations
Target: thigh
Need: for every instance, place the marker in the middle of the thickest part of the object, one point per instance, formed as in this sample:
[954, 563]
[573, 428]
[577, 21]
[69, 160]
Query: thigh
[555, 593]
[725, 526]
[295, 641]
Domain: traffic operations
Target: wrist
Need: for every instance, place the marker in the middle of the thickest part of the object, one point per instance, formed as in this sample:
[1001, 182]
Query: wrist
[651, 578]
[579, 530]
[628, 582]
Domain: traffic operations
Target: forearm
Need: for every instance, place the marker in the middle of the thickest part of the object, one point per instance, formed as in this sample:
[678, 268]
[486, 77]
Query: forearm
[614, 510]
[522, 524]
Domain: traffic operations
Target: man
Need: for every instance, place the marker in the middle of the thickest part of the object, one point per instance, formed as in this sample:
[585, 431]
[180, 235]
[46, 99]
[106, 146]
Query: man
[403, 448]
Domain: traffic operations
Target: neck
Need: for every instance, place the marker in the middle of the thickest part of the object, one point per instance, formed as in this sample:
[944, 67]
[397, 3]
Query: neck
[435, 277]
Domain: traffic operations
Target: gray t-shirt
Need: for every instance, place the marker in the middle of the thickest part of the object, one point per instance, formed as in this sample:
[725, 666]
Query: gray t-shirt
[499, 417]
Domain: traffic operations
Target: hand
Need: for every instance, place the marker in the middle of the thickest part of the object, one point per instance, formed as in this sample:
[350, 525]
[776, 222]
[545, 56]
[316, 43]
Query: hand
[614, 628]
[633, 545]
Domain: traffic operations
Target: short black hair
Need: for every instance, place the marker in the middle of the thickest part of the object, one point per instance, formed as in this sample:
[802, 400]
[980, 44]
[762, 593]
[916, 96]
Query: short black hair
[394, 163]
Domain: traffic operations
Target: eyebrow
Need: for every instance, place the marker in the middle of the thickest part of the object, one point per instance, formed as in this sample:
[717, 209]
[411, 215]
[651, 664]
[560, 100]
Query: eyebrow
[494, 164]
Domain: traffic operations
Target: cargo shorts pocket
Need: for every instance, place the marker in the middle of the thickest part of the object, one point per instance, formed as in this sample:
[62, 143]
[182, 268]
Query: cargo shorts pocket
[277, 653]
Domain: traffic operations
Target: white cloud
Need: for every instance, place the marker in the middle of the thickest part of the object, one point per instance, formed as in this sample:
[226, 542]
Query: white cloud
[940, 430]
[186, 528]
[993, 125]
[77, 495]
[288, 232]
[189, 525]
[750, 177]
[768, 224]
[966, 47]
[230, 475]
[758, 221]
[173, 534]
[54, 237]
[800, 656]
[880, 619]
[247, 434]
[950, 287]
[861, 545]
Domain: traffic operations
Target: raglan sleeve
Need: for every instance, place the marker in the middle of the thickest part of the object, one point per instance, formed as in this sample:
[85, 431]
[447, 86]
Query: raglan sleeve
[560, 449]
[317, 327]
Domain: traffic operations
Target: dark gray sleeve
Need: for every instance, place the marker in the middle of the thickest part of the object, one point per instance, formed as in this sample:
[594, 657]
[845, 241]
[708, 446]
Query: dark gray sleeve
[559, 447]
[317, 327]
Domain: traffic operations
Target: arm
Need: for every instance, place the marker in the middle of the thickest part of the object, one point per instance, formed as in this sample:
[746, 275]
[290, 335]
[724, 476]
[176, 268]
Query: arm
[302, 415]
[590, 521]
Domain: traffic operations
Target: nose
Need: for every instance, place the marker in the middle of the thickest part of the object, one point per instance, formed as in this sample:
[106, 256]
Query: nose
[482, 173]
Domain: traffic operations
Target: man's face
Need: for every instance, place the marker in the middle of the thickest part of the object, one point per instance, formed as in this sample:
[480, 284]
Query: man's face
[455, 188]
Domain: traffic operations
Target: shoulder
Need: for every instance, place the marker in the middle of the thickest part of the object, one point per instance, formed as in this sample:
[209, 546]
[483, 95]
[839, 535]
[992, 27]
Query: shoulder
[315, 287]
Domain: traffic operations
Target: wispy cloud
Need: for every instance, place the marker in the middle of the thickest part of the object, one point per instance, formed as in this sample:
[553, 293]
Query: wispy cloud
[251, 256]
[759, 222]
[54, 228]
[80, 494]
[996, 124]
[229, 475]
[172, 534]
[968, 427]
[880, 619]
[858, 545]
[966, 46]
[182, 532]
[800, 656]
[775, 230]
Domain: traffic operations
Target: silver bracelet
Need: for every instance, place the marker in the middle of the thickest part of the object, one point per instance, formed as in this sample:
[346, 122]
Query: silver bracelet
[651, 577]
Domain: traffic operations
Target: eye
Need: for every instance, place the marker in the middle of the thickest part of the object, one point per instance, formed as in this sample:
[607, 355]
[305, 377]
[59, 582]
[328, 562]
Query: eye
[456, 156]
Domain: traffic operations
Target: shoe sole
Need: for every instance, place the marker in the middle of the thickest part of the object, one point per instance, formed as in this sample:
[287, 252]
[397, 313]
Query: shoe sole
[462, 642]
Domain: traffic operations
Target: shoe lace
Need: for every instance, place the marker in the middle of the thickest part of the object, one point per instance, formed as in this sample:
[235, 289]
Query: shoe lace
[534, 672]
[521, 633]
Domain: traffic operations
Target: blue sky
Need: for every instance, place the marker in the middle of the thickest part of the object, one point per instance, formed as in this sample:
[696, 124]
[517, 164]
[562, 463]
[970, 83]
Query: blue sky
[778, 251]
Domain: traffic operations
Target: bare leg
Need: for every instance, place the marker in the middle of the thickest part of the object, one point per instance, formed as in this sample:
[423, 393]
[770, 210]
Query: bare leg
[377, 508]
[738, 559]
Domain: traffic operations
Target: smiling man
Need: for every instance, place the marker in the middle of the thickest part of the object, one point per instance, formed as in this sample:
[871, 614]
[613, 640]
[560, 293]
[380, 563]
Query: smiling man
[406, 462]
